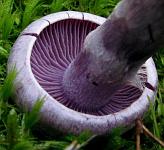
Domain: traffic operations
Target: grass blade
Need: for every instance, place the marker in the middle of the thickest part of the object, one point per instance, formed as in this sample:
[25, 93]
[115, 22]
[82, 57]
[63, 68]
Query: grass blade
[31, 9]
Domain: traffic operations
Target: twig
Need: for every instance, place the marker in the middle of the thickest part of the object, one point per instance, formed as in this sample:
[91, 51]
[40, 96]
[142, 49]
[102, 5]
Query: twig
[74, 146]
[147, 132]
[140, 128]
[88, 141]
[138, 132]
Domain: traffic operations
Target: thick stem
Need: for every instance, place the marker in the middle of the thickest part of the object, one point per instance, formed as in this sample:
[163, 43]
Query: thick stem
[81, 88]
[113, 53]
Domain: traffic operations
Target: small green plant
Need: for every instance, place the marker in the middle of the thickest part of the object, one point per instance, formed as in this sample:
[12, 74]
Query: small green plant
[7, 16]
[30, 11]
[30, 118]
[3, 58]
[98, 7]
[7, 88]
[57, 5]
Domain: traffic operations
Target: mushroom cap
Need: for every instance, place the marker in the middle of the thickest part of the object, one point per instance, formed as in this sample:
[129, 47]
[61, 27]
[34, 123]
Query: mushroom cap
[28, 87]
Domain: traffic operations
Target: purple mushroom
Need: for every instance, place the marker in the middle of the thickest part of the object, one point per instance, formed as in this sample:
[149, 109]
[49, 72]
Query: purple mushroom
[94, 73]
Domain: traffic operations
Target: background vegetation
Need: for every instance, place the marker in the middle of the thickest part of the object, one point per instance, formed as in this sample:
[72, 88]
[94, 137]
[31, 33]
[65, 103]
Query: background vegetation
[17, 128]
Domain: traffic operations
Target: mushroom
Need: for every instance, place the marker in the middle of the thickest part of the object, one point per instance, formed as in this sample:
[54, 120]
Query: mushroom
[94, 73]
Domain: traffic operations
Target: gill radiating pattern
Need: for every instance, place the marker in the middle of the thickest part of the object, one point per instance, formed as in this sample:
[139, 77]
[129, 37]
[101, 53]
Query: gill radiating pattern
[55, 48]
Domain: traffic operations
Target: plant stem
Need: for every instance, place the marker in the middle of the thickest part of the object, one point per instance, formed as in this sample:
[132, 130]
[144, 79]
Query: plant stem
[148, 133]
[88, 141]
[140, 128]
[138, 132]
[74, 146]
